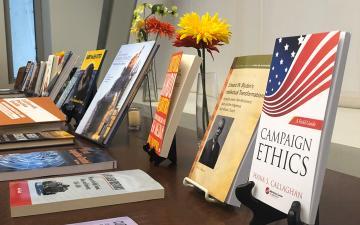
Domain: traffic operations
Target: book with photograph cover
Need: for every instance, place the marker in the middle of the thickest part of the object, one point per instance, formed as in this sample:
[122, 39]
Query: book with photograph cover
[17, 166]
[225, 152]
[297, 120]
[32, 197]
[29, 115]
[113, 221]
[77, 96]
[179, 79]
[116, 92]
[32, 140]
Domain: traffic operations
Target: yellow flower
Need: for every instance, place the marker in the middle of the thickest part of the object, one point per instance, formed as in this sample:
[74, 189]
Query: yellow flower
[205, 29]
[139, 9]
[137, 25]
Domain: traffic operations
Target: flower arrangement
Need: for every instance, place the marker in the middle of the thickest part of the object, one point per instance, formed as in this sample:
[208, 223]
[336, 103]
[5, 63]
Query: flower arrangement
[145, 23]
[202, 33]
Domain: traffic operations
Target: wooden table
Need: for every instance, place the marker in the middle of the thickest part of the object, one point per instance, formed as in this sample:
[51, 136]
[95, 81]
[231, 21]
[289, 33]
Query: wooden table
[340, 202]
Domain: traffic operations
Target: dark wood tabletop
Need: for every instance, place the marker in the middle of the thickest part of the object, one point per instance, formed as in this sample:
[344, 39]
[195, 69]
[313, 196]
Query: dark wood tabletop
[340, 201]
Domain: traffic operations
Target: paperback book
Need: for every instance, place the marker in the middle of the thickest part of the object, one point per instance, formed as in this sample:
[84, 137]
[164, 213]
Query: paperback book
[297, 120]
[224, 156]
[181, 74]
[32, 140]
[26, 115]
[54, 162]
[116, 92]
[113, 221]
[77, 96]
[32, 197]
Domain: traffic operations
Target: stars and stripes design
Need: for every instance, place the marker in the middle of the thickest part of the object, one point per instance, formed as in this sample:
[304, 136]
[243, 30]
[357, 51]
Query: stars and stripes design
[301, 68]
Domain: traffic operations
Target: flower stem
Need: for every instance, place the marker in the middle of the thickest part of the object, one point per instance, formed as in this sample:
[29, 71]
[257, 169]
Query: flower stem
[205, 106]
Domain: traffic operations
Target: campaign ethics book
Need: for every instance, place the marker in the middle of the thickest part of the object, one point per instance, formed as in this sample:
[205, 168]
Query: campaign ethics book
[224, 156]
[54, 162]
[179, 78]
[26, 115]
[297, 120]
[57, 194]
[113, 221]
[77, 90]
[116, 92]
[32, 140]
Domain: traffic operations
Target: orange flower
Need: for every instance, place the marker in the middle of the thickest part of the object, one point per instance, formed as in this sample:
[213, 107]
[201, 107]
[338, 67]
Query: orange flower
[191, 42]
[155, 26]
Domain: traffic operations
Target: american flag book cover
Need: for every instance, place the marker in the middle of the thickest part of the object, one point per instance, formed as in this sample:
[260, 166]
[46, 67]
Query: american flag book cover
[293, 119]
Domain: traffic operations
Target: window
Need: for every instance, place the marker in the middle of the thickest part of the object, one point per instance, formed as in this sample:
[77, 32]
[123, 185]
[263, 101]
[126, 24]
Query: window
[20, 22]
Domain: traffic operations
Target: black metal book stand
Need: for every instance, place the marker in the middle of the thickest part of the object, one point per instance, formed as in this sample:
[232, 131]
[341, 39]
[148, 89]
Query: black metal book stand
[264, 214]
[156, 159]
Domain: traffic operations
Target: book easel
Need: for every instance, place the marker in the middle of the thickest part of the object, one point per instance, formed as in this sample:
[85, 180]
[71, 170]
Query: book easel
[264, 214]
[190, 183]
[156, 159]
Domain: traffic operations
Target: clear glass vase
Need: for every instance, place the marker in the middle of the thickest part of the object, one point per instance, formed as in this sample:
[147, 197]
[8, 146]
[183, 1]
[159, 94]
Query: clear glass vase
[150, 84]
[210, 98]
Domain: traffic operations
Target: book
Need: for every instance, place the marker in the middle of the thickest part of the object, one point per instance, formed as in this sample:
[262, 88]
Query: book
[44, 89]
[32, 197]
[69, 88]
[222, 161]
[29, 73]
[297, 120]
[31, 140]
[64, 62]
[181, 73]
[26, 115]
[116, 92]
[11, 93]
[63, 76]
[113, 221]
[20, 78]
[40, 78]
[17, 166]
[82, 89]
[30, 89]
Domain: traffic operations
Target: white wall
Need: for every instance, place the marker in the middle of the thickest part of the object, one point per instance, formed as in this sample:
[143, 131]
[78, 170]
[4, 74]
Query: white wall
[71, 25]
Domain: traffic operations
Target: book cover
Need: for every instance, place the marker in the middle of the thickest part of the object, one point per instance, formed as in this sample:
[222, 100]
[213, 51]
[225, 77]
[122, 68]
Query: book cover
[20, 78]
[49, 159]
[39, 136]
[157, 130]
[79, 91]
[232, 125]
[113, 221]
[110, 101]
[300, 102]
[20, 111]
[82, 191]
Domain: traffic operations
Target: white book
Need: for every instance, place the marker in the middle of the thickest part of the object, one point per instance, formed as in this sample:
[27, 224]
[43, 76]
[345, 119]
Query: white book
[297, 120]
[57, 194]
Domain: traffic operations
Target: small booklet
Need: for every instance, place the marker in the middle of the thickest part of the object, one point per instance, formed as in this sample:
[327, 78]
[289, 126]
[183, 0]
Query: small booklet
[113, 221]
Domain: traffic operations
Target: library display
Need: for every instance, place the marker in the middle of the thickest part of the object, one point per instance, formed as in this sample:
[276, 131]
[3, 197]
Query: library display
[222, 161]
[297, 120]
[77, 113]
